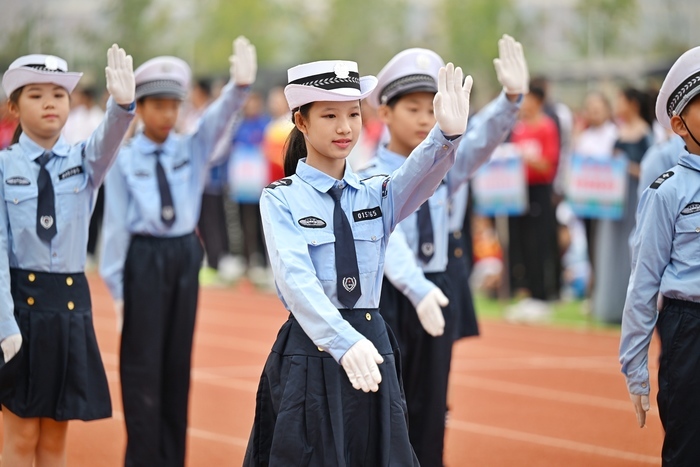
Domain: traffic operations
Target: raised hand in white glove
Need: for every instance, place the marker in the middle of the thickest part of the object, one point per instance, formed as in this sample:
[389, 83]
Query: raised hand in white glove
[511, 67]
[120, 76]
[430, 312]
[360, 363]
[244, 62]
[119, 311]
[641, 407]
[451, 102]
[10, 346]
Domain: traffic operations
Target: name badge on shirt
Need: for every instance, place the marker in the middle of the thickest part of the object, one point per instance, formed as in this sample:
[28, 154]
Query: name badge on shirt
[180, 165]
[78, 169]
[18, 181]
[367, 214]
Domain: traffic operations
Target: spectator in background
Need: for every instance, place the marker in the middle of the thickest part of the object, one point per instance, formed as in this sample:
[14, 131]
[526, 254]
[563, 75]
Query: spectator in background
[198, 100]
[277, 131]
[84, 117]
[7, 123]
[248, 175]
[533, 251]
[634, 114]
[595, 137]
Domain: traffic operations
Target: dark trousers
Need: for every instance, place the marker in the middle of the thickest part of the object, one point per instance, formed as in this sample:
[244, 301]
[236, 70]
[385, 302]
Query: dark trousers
[160, 303]
[212, 228]
[96, 221]
[679, 382]
[253, 239]
[425, 365]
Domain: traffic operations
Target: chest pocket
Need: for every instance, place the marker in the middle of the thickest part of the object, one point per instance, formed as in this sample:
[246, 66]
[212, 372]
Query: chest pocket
[72, 196]
[687, 235]
[369, 236]
[321, 245]
[21, 202]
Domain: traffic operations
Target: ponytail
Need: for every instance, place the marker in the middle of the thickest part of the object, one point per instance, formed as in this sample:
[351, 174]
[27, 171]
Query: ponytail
[14, 100]
[295, 147]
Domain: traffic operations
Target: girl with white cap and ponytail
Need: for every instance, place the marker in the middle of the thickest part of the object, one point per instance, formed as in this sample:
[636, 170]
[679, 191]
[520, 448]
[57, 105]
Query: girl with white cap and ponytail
[331, 393]
[49, 190]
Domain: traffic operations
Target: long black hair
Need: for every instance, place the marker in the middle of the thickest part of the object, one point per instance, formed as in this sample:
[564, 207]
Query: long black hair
[295, 147]
[14, 100]
[643, 101]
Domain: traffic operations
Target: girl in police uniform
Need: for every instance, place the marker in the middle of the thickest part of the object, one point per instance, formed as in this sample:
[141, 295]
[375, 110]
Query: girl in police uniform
[665, 261]
[49, 190]
[330, 393]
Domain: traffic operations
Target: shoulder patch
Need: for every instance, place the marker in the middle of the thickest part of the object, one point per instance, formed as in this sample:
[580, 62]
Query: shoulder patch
[691, 209]
[660, 179]
[385, 190]
[77, 170]
[367, 214]
[181, 164]
[312, 222]
[18, 181]
[280, 182]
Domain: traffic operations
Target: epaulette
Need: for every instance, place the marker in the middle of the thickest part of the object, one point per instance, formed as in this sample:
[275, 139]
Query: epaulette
[660, 179]
[372, 176]
[280, 182]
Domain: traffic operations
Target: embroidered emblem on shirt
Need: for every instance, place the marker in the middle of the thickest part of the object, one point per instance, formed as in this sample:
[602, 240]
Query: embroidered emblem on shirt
[312, 222]
[46, 222]
[367, 214]
[427, 249]
[180, 165]
[660, 179]
[18, 181]
[691, 208]
[349, 283]
[281, 182]
[141, 174]
[385, 190]
[71, 172]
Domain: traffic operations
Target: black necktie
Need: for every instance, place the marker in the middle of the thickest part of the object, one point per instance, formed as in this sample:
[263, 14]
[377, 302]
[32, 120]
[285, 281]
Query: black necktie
[426, 245]
[167, 210]
[348, 274]
[46, 205]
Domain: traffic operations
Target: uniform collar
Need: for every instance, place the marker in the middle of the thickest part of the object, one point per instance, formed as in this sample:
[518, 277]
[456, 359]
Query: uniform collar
[689, 160]
[32, 150]
[146, 145]
[389, 158]
[324, 182]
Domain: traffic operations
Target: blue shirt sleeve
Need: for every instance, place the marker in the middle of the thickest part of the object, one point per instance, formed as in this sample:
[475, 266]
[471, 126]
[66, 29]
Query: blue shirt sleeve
[8, 324]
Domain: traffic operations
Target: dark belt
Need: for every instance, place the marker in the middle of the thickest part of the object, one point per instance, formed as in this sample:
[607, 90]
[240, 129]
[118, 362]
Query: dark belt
[50, 291]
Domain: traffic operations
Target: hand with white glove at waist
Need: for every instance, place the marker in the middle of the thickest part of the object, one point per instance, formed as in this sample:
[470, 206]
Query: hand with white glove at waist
[119, 74]
[119, 312]
[451, 102]
[360, 363]
[641, 407]
[10, 346]
[244, 62]
[430, 312]
[511, 67]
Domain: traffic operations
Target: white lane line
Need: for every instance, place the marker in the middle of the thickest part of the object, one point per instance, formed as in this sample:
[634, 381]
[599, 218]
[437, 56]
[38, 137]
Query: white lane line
[551, 442]
[539, 392]
[522, 363]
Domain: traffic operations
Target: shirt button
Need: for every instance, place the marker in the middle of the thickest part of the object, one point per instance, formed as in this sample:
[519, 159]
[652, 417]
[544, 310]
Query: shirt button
[15, 201]
[31, 277]
[69, 281]
[54, 255]
[75, 190]
[458, 252]
[458, 234]
[368, 317]
[313, 242]
[374, 237]
[444, 146]
[71, 305]
[644, 385]
[697, 229]
[30, 301]
[319, 349]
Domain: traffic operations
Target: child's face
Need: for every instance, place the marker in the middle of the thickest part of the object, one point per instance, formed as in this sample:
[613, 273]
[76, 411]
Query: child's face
[159, 115]
[410, 120]
[42, 109]
[691, 116]
[331, 129]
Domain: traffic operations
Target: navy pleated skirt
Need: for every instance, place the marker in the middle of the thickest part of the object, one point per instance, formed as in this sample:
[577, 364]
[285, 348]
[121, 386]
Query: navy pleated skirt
[308, 414]
[466, 324]
[61, 375]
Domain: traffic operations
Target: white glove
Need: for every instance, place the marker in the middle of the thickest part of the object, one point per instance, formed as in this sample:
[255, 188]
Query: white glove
[120, 76]
[360, 363]
[244, 62]
[451, 102]
[119, 311]
[511, 67]
[10, 346]
[641, 407]
[430, 312]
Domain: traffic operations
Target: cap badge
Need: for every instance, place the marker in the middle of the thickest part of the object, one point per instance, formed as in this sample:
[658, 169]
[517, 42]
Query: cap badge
[341, 70]
[422, 62]
[166, 68]
[51, 63]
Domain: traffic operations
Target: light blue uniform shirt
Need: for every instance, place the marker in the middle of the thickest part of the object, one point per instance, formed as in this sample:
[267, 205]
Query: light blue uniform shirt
[297, 215]
[76, 173]
[132, 198]
[403, 268]
[658, 159]
[665, 260]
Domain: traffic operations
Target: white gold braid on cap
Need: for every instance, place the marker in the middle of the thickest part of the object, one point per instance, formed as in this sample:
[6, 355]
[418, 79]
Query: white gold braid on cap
[330, 81]
[682, 94]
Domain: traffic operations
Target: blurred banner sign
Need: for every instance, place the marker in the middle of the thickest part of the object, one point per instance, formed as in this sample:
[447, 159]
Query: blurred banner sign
[596, 187]
[500, 186]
